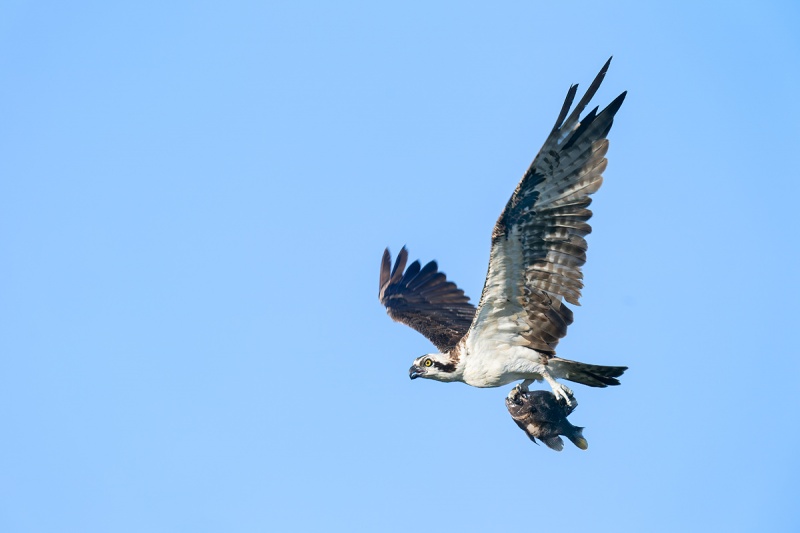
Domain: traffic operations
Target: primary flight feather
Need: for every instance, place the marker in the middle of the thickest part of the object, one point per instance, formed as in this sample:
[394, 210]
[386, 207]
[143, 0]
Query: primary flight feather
[538, 249]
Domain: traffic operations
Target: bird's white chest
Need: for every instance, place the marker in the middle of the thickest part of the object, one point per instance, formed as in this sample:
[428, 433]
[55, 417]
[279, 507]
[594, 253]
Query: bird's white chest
[489, 363]
[497, 352]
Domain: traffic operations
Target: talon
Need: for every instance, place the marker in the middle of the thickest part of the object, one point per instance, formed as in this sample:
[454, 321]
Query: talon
[516, 392]
[563, 392]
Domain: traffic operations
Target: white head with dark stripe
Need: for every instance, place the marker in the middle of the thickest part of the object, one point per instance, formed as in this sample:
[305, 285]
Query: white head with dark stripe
[438, 366]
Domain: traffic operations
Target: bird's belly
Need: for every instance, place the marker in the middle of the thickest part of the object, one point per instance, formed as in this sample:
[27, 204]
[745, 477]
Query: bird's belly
[496, 366]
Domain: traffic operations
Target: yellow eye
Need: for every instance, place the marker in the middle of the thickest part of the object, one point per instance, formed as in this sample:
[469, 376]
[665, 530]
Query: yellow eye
[427, 362]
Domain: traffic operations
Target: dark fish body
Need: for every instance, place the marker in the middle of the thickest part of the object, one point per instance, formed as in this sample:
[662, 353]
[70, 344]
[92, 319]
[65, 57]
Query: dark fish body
[542, 416]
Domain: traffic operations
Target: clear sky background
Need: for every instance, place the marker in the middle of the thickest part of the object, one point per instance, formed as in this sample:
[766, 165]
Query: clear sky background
[194, 199]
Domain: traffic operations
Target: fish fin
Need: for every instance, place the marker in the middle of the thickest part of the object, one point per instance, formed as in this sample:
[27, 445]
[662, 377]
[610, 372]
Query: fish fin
[577, 438]
[554, 443]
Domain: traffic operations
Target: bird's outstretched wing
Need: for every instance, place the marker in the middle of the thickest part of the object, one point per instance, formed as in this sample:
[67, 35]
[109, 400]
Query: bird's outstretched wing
[538, 245]
[421, 297]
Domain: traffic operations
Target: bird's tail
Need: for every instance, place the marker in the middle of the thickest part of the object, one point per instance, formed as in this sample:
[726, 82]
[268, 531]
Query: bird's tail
[577, 438]
[592, 375]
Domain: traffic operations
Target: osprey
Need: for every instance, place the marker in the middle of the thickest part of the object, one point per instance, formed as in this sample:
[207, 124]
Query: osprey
[538, 249]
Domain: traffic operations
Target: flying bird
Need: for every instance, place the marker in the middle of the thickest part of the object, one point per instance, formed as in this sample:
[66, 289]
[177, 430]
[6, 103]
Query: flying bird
[540, 415]
[538, 249]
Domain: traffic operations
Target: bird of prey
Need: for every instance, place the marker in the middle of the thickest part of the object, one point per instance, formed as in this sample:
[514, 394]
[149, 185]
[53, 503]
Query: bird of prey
[540, 415]
[538, 249]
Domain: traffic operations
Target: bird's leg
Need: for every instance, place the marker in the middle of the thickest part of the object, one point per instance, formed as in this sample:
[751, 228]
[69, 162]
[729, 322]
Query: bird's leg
[560, 391]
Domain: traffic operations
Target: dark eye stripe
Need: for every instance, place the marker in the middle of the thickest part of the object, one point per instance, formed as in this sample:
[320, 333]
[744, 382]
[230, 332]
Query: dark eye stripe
[449, 367]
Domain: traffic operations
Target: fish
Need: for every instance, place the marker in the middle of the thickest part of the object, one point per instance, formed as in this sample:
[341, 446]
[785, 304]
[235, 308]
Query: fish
[543, 416]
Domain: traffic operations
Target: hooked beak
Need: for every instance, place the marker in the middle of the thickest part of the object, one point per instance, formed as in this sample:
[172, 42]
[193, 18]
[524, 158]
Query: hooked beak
[414, 372]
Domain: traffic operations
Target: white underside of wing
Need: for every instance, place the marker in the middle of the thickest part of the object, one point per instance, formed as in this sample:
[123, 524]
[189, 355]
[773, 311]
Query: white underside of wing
[497, 352]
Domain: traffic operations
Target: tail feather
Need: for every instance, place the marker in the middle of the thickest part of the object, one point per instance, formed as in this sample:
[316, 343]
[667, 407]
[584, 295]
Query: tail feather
[591, 375]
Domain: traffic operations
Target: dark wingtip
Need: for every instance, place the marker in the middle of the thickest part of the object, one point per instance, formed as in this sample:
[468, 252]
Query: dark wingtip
[573, 90]
[386, 265]
[391, 275]
[615, 104]
[399, 265]
[599, 78]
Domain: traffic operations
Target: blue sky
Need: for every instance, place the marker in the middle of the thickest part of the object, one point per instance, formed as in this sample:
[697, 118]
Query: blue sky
[194, 199]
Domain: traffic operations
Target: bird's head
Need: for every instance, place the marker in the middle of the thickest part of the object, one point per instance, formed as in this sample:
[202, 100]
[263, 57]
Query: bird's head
[433, 366]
